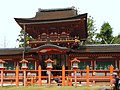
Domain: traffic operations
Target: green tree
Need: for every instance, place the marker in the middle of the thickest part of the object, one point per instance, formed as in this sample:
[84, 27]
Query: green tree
[117, 39]
[91, 31]
[21, 38]
[105, 36]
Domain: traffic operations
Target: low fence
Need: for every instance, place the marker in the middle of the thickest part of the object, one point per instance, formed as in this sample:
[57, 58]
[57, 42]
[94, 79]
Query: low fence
[54, 77]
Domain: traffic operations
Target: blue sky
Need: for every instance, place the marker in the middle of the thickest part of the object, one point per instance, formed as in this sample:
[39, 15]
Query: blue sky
[101, 10]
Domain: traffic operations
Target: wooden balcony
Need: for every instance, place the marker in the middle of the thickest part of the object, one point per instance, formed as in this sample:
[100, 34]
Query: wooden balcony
[56, 41]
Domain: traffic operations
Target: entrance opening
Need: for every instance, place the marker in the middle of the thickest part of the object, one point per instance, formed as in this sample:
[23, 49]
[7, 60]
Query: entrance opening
[59, 61]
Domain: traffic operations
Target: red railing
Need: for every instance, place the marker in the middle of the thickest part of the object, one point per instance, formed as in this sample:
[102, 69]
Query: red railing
[58, 77]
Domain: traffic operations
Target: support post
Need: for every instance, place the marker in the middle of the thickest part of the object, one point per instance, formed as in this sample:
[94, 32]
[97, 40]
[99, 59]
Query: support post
[17, 75]
[87, 75]
[2, 77]
[39, 75]
[35, 65]
[116, 64]
[69, 64]
[75, 78]
[111, 72]
[2, 69]
[24, 77]
[119, 64]
[49, 73]
[63, 75]
[94, 64]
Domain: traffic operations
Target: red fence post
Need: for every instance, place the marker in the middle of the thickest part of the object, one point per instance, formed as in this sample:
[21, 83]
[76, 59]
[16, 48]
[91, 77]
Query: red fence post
[87, 75]
[49, 77]
[63, 75]
[75, 73]
[39, 75]
[17, 75]
[24, 73]
[111, 72]
[2, 77]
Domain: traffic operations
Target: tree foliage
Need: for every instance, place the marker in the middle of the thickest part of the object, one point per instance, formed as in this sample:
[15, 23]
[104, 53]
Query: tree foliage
[91, 31]
[105, 36]
[21, 38]
[117, 39]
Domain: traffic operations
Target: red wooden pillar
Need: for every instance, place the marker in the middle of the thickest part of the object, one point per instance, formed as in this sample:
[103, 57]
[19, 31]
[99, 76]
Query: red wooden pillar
[2, 69]
[63, 75]
[39, 76]
[75, 77]
[17, 75]
[49, 74]
[111, 72]
[24, 72]
[1, 77]
[87, 75]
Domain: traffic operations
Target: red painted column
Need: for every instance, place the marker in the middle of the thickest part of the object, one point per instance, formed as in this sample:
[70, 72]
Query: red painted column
[39, 75]
[75, 77]
[49, 72]
[17, 75]
[111, 72]
[1, 77]
[63, 75]
[87, 75]
[24, 73]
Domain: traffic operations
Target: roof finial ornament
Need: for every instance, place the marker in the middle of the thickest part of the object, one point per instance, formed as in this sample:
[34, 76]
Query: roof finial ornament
[39, 9]
[73, 7]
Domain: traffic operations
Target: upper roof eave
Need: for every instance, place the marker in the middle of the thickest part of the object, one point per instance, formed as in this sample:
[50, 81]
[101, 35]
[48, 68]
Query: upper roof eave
[33, 21]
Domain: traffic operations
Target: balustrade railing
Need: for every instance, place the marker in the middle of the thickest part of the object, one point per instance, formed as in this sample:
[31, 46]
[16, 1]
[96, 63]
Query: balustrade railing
[57, 77]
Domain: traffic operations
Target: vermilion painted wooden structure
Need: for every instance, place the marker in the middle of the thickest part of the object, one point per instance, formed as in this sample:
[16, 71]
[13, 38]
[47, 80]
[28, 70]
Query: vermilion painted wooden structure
[59, 34]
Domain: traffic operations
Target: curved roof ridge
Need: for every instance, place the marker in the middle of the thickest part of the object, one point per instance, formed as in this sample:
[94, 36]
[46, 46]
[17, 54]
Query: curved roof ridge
[51, 45]
[56, 9]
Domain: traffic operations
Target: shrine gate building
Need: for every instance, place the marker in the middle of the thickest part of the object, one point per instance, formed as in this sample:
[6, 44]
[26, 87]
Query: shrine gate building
[59, 34]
